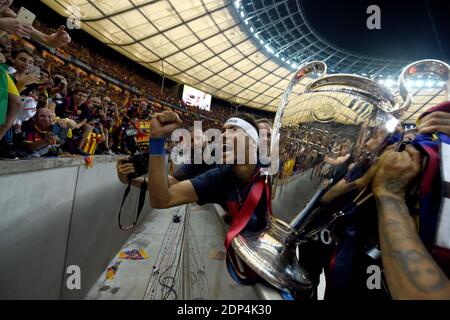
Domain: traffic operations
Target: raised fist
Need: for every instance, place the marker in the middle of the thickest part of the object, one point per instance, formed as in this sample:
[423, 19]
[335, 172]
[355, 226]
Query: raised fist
[164, 123]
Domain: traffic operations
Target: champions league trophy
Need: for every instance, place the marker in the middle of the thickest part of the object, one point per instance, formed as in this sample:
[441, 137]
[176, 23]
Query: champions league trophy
[328, 133]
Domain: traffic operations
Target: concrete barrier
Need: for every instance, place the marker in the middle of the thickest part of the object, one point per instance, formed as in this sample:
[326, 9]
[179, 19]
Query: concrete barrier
[55, 213]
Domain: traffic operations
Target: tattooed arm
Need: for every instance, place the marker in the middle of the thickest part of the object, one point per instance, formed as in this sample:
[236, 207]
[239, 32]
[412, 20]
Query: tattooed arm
[411, 272]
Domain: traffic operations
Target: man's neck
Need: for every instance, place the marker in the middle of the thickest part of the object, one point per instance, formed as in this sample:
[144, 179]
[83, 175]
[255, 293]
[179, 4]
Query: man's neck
[18, 75]
[42, 130]
[244, 172]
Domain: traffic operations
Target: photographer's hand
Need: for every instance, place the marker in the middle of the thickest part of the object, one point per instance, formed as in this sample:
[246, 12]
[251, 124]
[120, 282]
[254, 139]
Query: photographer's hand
[123, 170]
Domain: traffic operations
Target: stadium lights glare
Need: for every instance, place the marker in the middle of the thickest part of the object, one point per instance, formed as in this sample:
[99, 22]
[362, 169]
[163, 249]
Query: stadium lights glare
[245, 21]
[430, 84]
[294, 65]
[381, 81]
[389, 82]
[251, 29]
[282, 59]
[261, 41]
[391, 124]
[269, 49]
[288, 62]
[242, 14]
[256, 36]
[237, 4]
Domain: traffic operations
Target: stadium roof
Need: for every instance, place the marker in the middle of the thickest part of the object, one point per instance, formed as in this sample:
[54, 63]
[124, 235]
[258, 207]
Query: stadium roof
[241, 51]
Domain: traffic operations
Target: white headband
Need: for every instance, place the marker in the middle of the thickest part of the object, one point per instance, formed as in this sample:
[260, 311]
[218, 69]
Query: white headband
[244, 125]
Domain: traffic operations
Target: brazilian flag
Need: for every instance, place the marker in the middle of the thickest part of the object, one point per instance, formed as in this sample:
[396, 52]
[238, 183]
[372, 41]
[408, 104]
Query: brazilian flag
[3, 94]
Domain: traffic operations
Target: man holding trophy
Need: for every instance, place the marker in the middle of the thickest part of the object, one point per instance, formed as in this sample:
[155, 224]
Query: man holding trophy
[358, 195]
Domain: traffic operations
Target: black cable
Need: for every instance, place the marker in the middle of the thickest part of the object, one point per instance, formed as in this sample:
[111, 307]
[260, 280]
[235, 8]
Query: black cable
[161, 275]
[195, 280]
[163, 284]
[179, 256]
[171, 288]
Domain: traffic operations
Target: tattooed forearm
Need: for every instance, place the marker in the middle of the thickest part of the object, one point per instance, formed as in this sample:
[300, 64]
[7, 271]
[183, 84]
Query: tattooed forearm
[421, 270]
[395, 185]
[410, 271]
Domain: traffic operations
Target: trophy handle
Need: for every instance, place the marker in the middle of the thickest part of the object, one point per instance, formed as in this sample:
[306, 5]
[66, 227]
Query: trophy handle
[303, 71]
[436, 67]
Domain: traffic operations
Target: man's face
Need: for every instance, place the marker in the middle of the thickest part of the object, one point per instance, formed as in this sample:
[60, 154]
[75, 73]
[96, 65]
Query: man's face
[44, 118]
[106, 101]
[95, 102]
[44, 77]
[237, 145]
[80, 98]
[198, 139]
[5, 41]
[265, 134]
[23, 62]
[143, 104]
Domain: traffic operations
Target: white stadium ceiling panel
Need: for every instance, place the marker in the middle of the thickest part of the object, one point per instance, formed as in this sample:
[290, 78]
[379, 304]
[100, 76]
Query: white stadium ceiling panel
[242, 51]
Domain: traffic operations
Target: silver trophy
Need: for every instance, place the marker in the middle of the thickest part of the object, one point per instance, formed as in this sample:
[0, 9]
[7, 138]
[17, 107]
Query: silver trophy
[328, 133]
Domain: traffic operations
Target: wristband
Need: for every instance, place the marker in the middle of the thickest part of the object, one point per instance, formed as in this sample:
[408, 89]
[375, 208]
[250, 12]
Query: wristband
[156, 146]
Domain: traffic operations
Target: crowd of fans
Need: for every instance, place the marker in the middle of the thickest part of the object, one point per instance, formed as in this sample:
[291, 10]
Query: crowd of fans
[68, 110]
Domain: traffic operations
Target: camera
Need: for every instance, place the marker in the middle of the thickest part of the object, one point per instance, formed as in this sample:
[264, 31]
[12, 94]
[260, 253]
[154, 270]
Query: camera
[140, 163]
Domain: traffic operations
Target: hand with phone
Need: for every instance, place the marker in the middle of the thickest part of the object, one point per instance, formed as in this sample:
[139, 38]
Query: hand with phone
[13, 26]
[20, 24]
[26, 18]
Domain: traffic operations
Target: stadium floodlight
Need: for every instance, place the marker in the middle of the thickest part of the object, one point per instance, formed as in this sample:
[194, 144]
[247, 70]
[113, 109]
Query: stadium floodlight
[381, 81]
[251, 29]
[256, 36]
[246, 21]
[389, 82]
[282, 59]
[294, 66]
[237, 4]
[412, 83]
[391, 124]
[242, 14]
[261, 41]
[288, 62]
